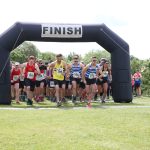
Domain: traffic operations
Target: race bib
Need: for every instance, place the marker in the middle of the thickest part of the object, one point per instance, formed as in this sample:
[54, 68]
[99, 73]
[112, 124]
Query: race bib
[30, 75]
[21, 78]
[60, 70]
[52, 84]
[15, 77]
[76, 75]
[40, 77]
[105, 73]
[92, 75]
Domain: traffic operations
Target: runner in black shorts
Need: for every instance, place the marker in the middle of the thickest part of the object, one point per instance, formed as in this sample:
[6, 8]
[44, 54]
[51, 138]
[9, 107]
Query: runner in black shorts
[75, 70]
[40, 81]
[22, 88]
[30, 70]
[59, 68]
[104, 73]
[50, 85]
[89, 76]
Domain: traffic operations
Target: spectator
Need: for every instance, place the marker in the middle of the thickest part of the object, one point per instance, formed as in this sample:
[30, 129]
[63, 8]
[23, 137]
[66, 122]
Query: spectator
[137, 78]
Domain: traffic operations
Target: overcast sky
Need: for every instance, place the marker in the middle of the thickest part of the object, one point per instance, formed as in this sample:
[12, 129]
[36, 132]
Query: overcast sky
[130, 19]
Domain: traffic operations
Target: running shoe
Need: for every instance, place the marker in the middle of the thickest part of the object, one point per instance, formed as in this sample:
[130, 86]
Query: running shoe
[58, 104]
[29, 102]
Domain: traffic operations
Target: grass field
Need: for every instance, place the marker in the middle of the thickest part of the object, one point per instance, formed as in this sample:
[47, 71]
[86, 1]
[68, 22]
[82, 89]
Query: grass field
[142, 101]
[76, 129]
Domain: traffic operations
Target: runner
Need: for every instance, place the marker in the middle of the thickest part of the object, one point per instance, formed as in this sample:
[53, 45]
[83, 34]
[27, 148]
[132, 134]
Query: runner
[109, 90]
[50, 84]
[15, 75]
[82, 89]
[30, 71]
[104, 73]
[12, 84]
[99, 81]
[89, 76]
[22, 89]
[68, 91]
[75, 70]
[40, 82]
[59, 70]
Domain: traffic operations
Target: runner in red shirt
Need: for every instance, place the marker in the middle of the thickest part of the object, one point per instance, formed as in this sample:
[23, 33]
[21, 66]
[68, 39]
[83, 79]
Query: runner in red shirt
[15, 78]
[30, 71]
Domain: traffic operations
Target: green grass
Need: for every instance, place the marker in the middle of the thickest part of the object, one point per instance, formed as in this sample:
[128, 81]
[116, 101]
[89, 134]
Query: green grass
[76, 129]
[142, 101]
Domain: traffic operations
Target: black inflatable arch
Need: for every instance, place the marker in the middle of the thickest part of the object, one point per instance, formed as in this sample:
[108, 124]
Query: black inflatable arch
[119, 49]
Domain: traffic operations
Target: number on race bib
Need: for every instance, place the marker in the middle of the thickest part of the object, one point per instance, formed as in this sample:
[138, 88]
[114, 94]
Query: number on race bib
[52, 84]
[76, 75]
[40, 77]
[30, 75]
[92, 75]
[21, 78]
[60, 70]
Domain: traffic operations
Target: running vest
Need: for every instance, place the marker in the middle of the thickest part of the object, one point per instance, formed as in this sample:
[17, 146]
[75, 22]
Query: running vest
[137, 77]
[29, 72]
[76, 71]
[42, 75]
[58, 71]
[91, 72]
[105, 74]
[15, 75]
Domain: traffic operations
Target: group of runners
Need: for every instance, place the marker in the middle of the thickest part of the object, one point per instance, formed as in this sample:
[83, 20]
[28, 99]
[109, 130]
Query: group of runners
[59, 81]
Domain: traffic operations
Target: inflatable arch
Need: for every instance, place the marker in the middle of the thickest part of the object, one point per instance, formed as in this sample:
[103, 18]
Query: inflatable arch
[119, 49]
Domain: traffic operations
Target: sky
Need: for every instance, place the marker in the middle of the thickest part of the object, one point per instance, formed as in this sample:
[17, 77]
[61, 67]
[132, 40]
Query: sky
[130, 19]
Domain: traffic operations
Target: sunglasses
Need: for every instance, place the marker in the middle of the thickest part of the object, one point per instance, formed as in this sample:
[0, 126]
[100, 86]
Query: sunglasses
[31, 58]
[94, 60]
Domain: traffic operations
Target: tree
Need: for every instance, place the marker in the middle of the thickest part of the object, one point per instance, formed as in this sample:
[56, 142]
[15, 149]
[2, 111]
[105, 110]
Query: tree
[48, 56]
[23, 51]
[136, 64]
[69, 58]
[144, 67]
[146, 78]
[98, 53]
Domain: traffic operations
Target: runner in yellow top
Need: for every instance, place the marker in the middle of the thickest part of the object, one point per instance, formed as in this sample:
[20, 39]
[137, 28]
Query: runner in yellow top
[59, 70]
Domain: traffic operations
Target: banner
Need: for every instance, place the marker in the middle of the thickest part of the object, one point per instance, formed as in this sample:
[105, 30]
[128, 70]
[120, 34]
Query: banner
[61, 31]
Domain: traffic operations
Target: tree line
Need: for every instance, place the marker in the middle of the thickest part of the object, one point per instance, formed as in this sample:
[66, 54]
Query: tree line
[22, 52]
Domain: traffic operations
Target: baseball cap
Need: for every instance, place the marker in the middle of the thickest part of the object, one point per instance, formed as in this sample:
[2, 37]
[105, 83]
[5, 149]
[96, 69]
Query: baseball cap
[17, 63]
[31, 57]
